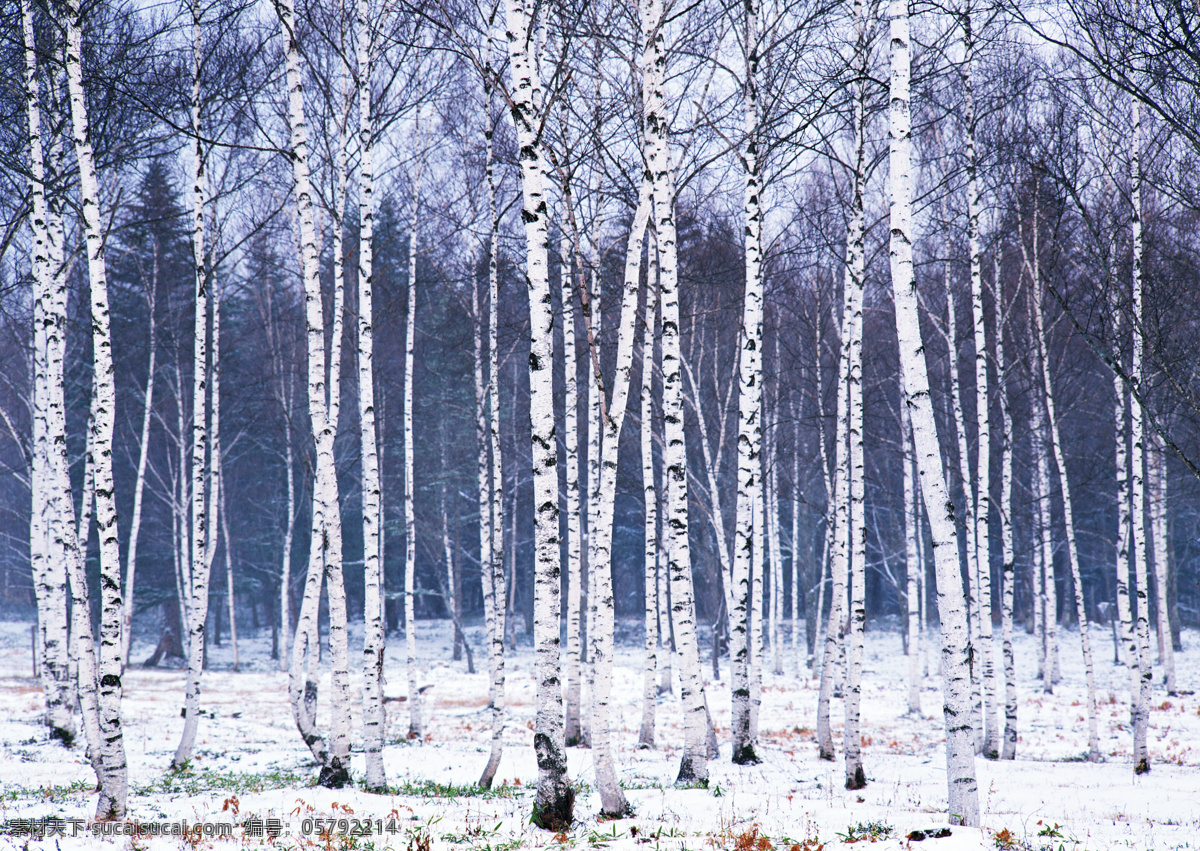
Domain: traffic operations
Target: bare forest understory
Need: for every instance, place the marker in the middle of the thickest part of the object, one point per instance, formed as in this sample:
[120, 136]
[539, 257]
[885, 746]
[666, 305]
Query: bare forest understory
[249, 764]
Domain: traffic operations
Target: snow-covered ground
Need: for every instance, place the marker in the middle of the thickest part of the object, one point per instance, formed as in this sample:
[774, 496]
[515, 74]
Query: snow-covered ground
[251, 765]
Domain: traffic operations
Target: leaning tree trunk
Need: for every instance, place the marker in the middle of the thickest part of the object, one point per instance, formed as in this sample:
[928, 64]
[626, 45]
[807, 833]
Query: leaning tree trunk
[218, 480]
[47, 520]
[554, 804]
[1141, 702]
[1060, 461]
[612, 798]
[325, 549]
[140, 481]
[374, 636]
[110, 743]
[749, 443]
[963, 795]
[693, 767]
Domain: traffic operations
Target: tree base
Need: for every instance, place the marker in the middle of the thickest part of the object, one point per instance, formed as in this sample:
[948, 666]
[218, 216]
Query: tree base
[858, 780]
[334, 775]
[64, 735]
[557, 814]
[689, 775]
[1142, 766]
[625, 811]
[745, 755]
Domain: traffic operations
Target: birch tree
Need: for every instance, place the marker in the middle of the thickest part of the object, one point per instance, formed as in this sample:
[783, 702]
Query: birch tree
[612, 798]
[912, 568]
[852, 350]
[574, 731]
[650, 501]
[48, 554]
[981, 483]
[416, 724]
[374, 719]
[197, 587]
[1158, 519]
[748, 537]
[326, 548]
[693, 767]
[107, 744]
[491, 491]
[963, 796]
[1141, 701]
[554, 803]
[1008, 571]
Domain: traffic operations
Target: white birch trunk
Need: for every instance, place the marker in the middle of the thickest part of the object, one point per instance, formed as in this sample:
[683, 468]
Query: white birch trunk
[912, 568]
[758, 565]
[339, 645]
[1069, 521]
[798, 590]
[841, 485]
[140, 482]
[325, 549]
[110, 744]
[492, 567]
[650, 501]
[1128, 639]
[374, 719]
[47, 520]
[1141, 701]
[1047, 599]
[416, 726]
[775, 551]
[960, 750]
[574, 526]
[198, 575]
[693, 766]
[554, 804]
[852, 349]
[749, 442]
[666, 632]
[217, 486]
[982, 481]
[594, 321]
[969, 500]
[612, 798]
[1008, 572]
[1158, 513]
[285, 574]
[1048, 628]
